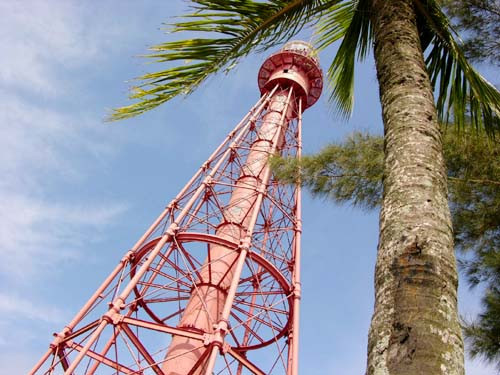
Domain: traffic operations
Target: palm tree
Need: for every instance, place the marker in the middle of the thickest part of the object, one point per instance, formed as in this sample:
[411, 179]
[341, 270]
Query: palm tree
[415, 327]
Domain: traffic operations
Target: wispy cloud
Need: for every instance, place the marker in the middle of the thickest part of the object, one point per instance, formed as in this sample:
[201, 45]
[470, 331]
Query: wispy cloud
[22, 321]
[13, 305]
[37, 234]
[43, 147]
[38, 38]
[49, 147]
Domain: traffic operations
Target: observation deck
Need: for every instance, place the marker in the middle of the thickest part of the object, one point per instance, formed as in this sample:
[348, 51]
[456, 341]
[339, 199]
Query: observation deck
[297, 65]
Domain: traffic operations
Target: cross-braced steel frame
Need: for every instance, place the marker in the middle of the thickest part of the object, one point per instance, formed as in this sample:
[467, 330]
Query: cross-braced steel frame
[213, 286]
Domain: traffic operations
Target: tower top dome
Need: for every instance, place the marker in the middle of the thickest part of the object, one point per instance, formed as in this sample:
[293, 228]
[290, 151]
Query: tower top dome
[301, 47]
[295, 64]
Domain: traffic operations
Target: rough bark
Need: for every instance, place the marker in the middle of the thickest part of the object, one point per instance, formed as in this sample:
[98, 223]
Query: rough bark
[415, 327]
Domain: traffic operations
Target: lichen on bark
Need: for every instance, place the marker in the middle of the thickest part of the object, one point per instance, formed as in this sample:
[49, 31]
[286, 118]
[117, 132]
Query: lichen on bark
[415, 327]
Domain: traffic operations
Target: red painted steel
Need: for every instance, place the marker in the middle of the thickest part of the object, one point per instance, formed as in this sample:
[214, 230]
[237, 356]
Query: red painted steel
[213, 286]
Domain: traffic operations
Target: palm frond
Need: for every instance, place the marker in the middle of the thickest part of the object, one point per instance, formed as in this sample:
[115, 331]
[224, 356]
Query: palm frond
[463, 95]
[351, 21]
[233, 28]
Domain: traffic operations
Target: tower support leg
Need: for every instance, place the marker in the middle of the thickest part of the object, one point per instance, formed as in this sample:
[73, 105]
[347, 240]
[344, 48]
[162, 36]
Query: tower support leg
[210, 305]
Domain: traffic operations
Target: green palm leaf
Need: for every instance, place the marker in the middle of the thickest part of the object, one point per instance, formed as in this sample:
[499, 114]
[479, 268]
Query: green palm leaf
[461, 91]
[238, 27]
[351, 21]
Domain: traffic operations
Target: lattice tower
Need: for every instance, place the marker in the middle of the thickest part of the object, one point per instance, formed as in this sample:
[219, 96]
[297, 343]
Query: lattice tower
[213, 286]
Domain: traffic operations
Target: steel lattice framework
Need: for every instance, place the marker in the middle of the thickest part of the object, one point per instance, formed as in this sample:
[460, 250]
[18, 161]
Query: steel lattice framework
[213, 286]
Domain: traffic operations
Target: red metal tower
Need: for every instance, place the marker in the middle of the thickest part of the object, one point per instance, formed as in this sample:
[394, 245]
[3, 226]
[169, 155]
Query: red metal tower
[213, 286]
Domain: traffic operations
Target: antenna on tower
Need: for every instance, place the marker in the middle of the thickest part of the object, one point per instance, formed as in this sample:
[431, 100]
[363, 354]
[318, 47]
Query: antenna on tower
[213, 286]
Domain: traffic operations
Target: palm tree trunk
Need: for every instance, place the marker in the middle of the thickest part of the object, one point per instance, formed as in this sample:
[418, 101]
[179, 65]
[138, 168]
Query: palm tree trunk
[414, 329]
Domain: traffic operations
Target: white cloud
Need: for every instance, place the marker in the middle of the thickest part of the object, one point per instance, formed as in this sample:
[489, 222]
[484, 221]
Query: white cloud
[13, 305]
[37, 234]
[40, 148]
[46, 151]
[22, 322]
[49, 147]
[37, 38]
[43, 149]
[35, 139]
[34, 34]
[478, 367]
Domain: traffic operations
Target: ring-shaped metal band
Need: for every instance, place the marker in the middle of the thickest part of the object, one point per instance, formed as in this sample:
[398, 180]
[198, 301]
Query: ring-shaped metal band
[183, 237]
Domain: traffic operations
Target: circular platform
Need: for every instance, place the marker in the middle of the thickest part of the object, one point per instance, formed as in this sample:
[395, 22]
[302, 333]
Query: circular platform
[297, 65]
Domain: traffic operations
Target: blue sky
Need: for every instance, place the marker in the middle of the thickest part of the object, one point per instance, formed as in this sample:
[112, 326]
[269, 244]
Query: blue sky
[76, 193]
